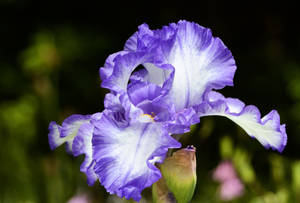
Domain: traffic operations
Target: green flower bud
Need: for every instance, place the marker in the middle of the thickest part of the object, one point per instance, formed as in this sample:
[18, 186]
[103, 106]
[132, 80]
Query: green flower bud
[179, 173]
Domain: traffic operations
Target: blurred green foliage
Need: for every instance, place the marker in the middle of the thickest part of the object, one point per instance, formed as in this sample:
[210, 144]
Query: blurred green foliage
[49, 60]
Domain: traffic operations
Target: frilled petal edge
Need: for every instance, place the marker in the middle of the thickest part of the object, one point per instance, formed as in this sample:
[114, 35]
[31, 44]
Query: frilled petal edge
[65, 133]
[125, 157]
[54, 135]
[201, 62]
[107, 70]
[182, 121]
[267, 130]
[76, 131]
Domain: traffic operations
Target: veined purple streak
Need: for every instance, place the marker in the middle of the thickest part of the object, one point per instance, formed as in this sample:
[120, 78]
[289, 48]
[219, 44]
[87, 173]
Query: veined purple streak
[182, 67]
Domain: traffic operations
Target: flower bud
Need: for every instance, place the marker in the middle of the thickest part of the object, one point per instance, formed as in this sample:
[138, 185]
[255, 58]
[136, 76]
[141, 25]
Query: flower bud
[179, 173]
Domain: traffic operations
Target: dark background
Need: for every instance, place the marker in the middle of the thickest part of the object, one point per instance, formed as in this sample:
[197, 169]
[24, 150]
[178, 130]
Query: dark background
[50, 53]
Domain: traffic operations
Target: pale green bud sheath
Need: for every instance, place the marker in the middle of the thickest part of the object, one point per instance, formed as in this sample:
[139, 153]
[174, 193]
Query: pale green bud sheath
[179, 173]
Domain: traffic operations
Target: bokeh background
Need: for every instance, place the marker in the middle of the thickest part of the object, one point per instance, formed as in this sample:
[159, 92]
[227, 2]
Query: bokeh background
[50, 53]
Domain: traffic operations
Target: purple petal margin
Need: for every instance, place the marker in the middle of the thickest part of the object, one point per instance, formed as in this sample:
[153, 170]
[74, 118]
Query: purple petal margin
[125, 157]
[76, 131]
[267, 130]
[54, 135]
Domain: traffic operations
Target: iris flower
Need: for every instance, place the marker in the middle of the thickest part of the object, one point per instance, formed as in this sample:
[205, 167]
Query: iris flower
[161, 83]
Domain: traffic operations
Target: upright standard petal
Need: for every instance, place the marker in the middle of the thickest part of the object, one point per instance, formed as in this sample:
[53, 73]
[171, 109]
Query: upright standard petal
[125, 157]
[147, 40]
[131, 43]
[266, 130]
[123, 73]
[122, 70]
[201, 61]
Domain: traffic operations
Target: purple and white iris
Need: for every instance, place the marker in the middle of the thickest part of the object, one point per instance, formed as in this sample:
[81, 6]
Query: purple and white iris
[161, 84]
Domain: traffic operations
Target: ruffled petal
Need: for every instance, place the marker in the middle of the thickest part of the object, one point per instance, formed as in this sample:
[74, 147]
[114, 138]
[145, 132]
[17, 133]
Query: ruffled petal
[181, 121]
[70, 127]
[82, 144]
[121, 109]
[131, 43]
[150, 98]
[76, 131]
[140, 92]
[201, 61]
[54, 135]
[122, 70]
[140, 49]
[107, 69]
[125, 157]
[124, 66]
[66, 133]
[266, 130]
